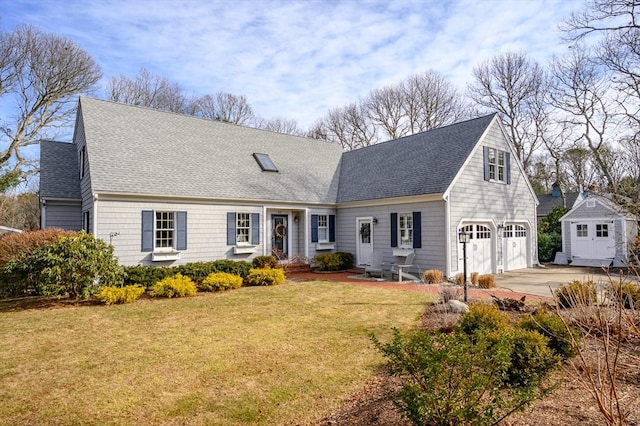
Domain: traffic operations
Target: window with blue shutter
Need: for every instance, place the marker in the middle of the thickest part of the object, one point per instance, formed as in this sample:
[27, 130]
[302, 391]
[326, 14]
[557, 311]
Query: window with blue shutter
[394, 229]
[181, 230]
[332, 228]
[164, 230]
[314, 228]
[255, 228]
[485, 156]
[247, 225]
[497, 165]
[231, 228]
[147, 230]
[417, 230]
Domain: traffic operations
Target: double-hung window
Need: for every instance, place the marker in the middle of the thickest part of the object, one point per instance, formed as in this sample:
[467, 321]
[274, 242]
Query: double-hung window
[323, 228]
[243, 228]
[164, 230]
[496, 165]
[406, 229]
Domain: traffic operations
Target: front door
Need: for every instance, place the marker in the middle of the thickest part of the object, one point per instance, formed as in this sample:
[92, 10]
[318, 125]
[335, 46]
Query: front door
[364, 248]
[279, 231]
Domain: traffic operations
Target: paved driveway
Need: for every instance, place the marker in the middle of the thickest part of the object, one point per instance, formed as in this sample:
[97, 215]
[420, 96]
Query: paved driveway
[538, 281]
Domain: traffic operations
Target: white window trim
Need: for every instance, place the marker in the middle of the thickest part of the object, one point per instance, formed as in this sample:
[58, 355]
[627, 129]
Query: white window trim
[401, 244]
[248, 228]
[496, 165]
[325, 239]
[164, 250]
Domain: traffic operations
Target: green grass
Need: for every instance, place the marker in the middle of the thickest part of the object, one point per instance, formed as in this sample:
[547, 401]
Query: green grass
[261, 355]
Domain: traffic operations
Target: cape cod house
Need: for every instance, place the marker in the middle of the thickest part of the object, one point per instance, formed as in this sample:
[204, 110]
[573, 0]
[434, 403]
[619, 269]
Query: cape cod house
[165, 188]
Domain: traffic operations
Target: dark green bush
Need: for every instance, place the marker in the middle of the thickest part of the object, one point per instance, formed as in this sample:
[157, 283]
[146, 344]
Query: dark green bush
[327, 262]
[346, 259]
[218, 281]
[551, 326]
[266, 276]
[197, 271]
[577, 293]
[240, 268]
[449, 380]
[548, 245]
[146, 275]
[74, 265]
[261, 262]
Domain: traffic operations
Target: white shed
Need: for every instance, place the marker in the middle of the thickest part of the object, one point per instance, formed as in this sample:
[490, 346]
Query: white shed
[598, 232]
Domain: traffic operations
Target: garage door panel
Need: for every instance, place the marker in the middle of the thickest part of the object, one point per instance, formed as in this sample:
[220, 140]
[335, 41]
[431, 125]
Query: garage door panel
[479, 249]
[515, 247]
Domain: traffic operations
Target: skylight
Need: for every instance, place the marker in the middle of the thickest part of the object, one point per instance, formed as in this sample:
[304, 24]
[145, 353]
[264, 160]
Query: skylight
[265, 162]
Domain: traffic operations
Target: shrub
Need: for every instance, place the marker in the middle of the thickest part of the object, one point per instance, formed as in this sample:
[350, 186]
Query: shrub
[261, 262]
[482, 318]
[218, 281]
[346, 259]
[74, 265]
[551, 326]
[327, 262]
[197, 271]
[548, 245]
[486, 281]
[240, 268]
[576, 293]
[174, 286]
[266, 276]
[626, 294]
[460, 279]
[433, 276]
[127, 294]
[12, 246]
[146, 275]
[448, 380]
[474, 278]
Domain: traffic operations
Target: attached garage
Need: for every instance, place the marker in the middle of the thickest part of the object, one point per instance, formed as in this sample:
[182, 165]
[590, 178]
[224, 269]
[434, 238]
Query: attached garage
[516, 241]
[598, 232]
[479, 249]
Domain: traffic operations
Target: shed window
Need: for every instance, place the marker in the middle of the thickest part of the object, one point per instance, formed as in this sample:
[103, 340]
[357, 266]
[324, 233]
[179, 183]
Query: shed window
[265, 162]
[582, 230]
[602, 230]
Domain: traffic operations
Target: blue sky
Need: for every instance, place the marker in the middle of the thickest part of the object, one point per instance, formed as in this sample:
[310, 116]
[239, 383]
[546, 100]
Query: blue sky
[297, 59]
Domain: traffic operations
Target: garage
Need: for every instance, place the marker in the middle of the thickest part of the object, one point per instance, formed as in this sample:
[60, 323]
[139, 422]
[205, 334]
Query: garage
[479, 252]
[593, 239]
[515, 247]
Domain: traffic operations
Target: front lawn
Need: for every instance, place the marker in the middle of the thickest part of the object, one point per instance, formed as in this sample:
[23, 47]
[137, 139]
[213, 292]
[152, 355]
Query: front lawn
[287, 354]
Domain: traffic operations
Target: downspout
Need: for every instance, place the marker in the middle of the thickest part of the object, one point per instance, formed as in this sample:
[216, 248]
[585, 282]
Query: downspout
[447, 225]
[95, 215]
[43, 214]
[265, 230]
[306, 233]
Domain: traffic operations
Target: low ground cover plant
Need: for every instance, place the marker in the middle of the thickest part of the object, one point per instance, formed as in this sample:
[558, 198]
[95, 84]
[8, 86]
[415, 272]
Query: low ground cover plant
[174, 286]
[147, 275]
[110, 295]
[577, 293]
[219, 281]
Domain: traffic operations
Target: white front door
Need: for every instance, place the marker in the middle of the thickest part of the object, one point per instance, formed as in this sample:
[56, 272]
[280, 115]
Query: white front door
[364, 248]
[593, 239]
[515, 247]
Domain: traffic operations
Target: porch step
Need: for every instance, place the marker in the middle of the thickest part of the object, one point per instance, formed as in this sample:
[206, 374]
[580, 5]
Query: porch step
[297, 267]
[596, 263]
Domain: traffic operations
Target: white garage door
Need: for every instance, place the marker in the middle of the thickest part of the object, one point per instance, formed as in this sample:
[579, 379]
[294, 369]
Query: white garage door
[515, 247]
[593, 239]
[479, 253]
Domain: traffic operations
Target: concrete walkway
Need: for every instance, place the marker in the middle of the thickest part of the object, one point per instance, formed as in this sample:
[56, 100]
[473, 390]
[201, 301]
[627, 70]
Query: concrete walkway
[540, 281]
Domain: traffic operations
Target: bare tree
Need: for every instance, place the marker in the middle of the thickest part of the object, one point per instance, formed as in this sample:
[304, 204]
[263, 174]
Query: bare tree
[514, 86]
[21, 211]
[40, 74]
[348, 126]
[147, 90]
[580, 89]
[579, 169]
[280, 125]
[224, 107]
[385, 108]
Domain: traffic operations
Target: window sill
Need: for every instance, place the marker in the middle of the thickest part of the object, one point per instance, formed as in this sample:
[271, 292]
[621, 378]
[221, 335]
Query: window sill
[402, 252]
[325, 246]
[163, 256]
[244, 249]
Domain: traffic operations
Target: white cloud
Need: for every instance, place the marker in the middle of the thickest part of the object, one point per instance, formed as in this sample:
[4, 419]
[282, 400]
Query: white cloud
[297, 59]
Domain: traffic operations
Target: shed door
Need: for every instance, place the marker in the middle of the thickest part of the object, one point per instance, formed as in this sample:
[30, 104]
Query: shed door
[593, 239]
[515, 247]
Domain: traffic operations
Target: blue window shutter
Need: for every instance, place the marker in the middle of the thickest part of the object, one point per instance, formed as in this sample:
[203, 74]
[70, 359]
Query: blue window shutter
[147, 230]
[485, 156]
[332, 228]
[255, 228]
[231, 228]
[314, 228]
[417, 230]
[394, 229]
[507, 165]
[181, 228]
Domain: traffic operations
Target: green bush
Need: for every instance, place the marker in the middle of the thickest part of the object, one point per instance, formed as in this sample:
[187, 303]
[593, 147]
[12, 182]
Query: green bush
[261, 262]
[218, 281]
[74, 265]
[174, 286]
[627, 294]
[327, 262]
[266, 276]
[240, 268]
[577, 293]
[346, 259]
[146, 275]
[548, 245]
[448, 380]
[482, 318]
[197, 271]
[127, 294]
[551, 326]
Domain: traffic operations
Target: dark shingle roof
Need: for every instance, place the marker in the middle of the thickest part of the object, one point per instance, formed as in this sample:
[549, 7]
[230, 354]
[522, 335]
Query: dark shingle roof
[548, 202]
[59, 170]
[140, 150]
[424, 163]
